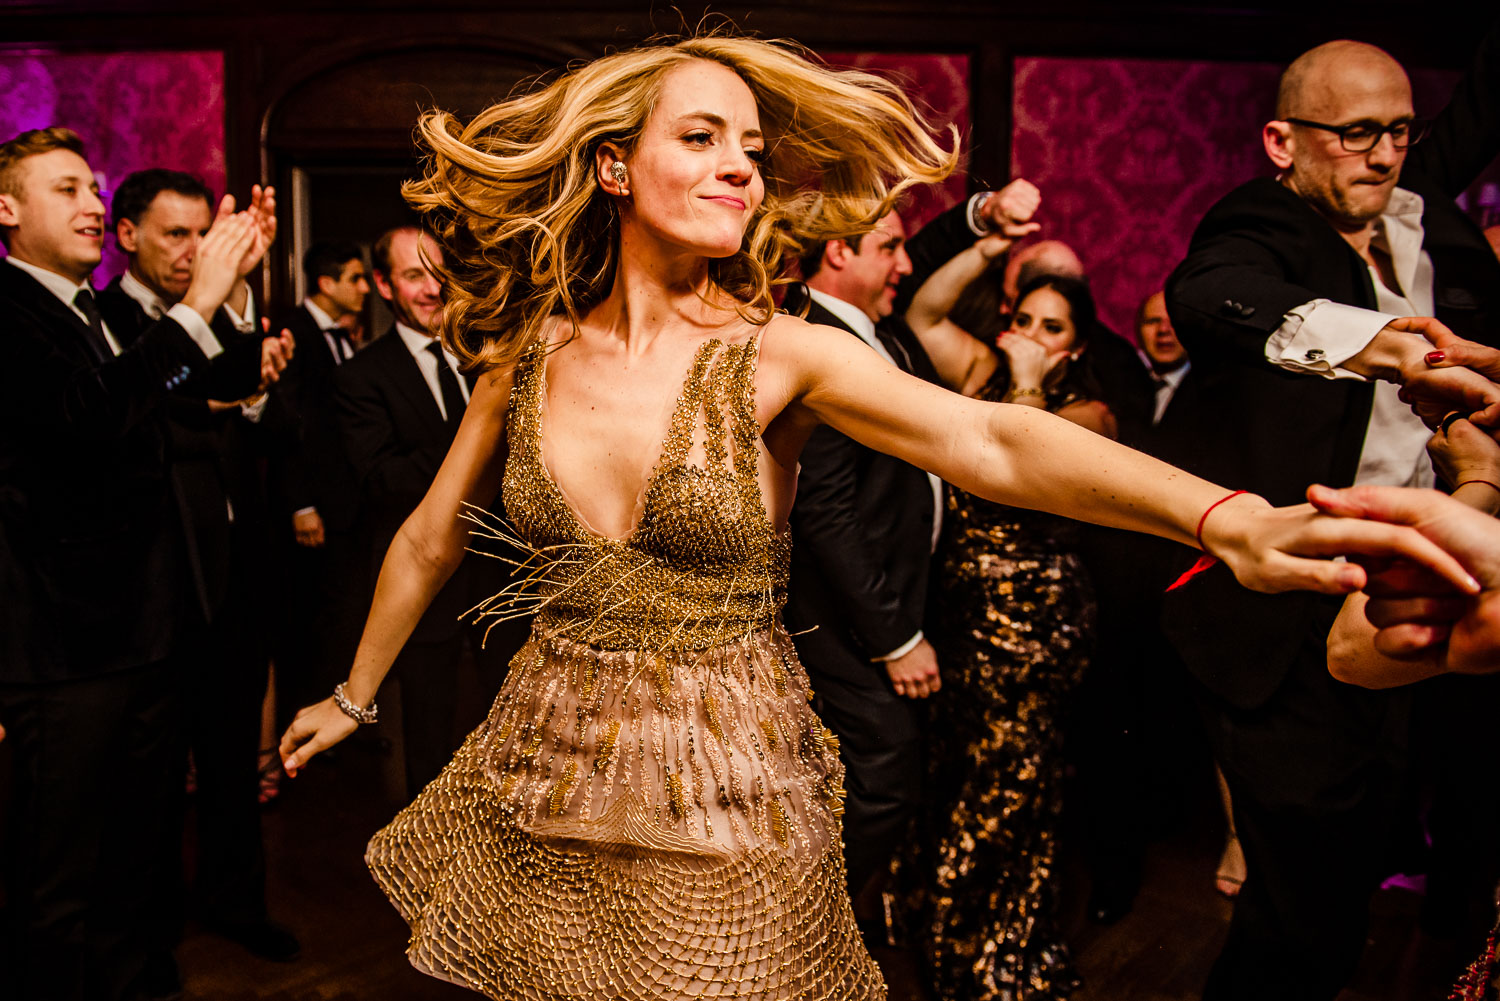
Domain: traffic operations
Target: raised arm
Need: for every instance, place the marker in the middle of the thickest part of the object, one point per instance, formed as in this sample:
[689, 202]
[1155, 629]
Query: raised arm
[422, 557]
[963, 361]
[1028, 458]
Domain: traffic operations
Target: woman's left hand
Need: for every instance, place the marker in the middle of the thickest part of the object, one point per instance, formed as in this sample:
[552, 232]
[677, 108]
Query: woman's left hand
[1461, 452]
[1291, 548]
[1030, 364]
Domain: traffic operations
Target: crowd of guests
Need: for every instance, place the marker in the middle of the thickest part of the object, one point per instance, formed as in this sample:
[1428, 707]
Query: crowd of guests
[194, 492]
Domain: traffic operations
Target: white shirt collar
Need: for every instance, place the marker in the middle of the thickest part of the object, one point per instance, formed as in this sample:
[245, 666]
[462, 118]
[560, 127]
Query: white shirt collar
[416, 341]
[61, 286]
[1399, 234]
[852, 315]
[322, 319]
[137, 290]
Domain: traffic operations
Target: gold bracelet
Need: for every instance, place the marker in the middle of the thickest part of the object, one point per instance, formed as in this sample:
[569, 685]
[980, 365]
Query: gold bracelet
[1016, 394]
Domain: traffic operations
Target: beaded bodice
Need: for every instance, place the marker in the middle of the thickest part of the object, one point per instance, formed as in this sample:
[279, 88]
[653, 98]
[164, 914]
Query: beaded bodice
[703, 566]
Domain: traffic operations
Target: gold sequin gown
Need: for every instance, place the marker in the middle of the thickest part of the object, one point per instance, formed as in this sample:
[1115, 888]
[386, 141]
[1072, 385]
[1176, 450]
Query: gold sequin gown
[975, 892]
[651, 808]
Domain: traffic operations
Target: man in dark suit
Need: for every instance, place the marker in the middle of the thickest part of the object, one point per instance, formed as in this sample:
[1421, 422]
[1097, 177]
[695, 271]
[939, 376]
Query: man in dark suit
[314, 497]
[399, 404]
[1293, 302]
[866, 524]
[93, 581]
[159, 216]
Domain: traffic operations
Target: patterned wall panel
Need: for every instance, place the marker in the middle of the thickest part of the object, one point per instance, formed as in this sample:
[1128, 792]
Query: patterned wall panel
[939, 85]
[132, 109]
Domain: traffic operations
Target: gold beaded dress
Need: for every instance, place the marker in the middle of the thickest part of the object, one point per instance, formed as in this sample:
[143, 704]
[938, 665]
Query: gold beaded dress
[651, 808]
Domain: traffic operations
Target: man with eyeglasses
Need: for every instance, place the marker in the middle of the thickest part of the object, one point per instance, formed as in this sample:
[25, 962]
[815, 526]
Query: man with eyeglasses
[1303, 301]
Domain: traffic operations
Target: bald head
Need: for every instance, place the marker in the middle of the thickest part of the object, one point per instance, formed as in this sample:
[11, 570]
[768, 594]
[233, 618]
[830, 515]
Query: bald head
[1045, 257]
[1322, 81]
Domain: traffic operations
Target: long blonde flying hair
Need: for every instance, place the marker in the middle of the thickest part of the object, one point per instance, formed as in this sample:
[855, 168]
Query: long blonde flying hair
[529, 234]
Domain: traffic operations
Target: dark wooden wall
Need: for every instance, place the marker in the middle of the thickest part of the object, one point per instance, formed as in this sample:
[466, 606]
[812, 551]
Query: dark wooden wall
[343, 81]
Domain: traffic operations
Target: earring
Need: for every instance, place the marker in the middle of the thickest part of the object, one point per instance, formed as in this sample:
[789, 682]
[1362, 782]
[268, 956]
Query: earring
[619, 173]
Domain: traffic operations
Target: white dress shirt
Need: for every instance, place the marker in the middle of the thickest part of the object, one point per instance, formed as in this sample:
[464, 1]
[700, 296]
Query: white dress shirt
[417, 343]
[1319, 336]
[339, 347]
[864, 328]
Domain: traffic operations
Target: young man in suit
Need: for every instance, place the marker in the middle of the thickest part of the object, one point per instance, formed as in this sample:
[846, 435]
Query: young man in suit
[159, 216]
[866, 525]
[399, 404]
[1303, 300]
[313, 497]
[93, 582]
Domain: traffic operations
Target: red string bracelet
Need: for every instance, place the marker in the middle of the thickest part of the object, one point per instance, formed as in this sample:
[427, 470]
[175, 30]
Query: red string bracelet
[1206, 560]
[1492, 486]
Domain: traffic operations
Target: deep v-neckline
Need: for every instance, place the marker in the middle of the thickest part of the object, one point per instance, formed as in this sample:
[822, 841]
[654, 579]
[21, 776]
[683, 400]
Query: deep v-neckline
[686, 398]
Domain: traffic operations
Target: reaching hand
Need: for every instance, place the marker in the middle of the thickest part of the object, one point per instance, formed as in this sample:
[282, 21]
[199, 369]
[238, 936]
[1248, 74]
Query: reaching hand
[915, 673]
[1290, 548]
[1412, 610]
[315, 728]
[1462, 453]
[1436, 389]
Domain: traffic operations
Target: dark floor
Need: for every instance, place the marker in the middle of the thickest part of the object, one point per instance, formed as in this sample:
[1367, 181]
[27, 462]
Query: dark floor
[353, 940]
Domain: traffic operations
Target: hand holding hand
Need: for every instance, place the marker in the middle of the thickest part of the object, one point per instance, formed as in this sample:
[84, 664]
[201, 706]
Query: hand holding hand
[307, 526]
[915, 673]
[1462, 453]
[315, 728]
[1411, 609]
[1435, 389]
[1290, 548]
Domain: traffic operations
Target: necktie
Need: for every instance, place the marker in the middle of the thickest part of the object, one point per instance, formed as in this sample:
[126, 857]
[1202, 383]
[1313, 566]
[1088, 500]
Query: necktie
[896, 348]
[453, 400]
[84, 300]
[337, 339]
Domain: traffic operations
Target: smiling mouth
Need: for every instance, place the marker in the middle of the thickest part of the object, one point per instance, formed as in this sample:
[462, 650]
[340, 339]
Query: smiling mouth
[92, 232]
[727, 200]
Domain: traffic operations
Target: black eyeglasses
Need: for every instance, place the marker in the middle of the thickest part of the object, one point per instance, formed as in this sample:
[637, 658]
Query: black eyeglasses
[1361, 137]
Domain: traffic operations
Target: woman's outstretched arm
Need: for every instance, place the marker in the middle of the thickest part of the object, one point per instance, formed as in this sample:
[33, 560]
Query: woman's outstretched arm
[423, 555]
[1028, 458]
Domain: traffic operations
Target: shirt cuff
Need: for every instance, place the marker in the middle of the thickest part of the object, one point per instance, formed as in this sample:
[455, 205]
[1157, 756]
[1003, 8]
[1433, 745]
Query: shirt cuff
[197, 328]
[254, 410]
[903, 649]
[1319, 336]
[976, 205]
[245, 324]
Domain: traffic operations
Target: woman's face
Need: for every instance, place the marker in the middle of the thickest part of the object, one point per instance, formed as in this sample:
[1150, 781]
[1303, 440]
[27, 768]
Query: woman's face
[1045, 317]
[694, 179]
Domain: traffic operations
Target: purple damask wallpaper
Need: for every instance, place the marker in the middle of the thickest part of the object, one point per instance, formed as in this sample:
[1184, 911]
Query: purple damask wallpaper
[939, 86]
[132, 109]
[1130, 153]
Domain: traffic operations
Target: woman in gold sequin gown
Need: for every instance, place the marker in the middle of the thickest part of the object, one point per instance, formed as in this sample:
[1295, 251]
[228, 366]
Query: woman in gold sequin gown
[976, 887]
[651, 808]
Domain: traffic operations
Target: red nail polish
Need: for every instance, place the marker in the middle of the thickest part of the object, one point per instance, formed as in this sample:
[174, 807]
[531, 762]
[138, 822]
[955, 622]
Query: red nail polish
[1434, 357]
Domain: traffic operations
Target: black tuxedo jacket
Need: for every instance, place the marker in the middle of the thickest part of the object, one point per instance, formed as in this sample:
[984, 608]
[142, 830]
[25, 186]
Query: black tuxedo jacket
[309, 466]
[211, 459]
[1260, 252]
[396, 439]
[862, 520]
[92, 577]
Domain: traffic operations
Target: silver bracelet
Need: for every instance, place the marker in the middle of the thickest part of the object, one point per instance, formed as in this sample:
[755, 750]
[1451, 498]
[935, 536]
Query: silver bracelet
[351, 710]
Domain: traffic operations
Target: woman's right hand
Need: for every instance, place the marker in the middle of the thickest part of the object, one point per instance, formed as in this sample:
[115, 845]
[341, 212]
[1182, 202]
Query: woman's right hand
[315, 728]
[1291, 548]
[1462, 453]
[1029, 361]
